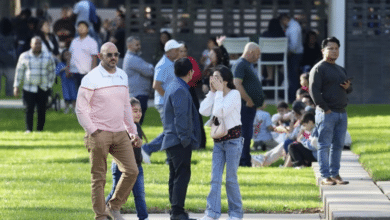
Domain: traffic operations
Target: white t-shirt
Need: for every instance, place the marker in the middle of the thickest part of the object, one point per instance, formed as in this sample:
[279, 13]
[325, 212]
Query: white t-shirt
[82, 51]
[82, 11]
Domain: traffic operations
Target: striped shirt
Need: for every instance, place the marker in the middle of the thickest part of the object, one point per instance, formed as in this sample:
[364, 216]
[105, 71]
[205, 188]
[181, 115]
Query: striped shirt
[103, 102]
[35, 71]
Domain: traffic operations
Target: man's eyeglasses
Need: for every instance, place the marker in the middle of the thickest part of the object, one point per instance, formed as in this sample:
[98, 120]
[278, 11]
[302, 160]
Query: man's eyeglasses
[112, 54]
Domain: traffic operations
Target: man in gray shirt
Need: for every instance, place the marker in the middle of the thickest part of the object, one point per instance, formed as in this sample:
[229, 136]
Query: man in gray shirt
[329, 86]
[140, 73]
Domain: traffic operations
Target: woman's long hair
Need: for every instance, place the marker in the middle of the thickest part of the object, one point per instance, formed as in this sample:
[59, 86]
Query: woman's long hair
[226, 75]
[210, 68]
[53, 50]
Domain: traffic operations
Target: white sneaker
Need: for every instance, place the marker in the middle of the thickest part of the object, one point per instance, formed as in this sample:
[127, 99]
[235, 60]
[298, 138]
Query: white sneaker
[207, 218]
[257, 160]
[66, 110]
[115, 215]
[145, 156]
[234, 218]
[27, 132]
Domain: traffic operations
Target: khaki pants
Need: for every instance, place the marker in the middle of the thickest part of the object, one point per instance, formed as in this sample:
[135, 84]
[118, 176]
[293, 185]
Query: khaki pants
[118, 144]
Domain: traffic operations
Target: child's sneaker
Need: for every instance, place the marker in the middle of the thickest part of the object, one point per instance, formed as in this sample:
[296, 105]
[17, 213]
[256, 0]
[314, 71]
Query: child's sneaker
[66, 110]
[234, 218]
[207, 218]
[145, 156]
[257, 160]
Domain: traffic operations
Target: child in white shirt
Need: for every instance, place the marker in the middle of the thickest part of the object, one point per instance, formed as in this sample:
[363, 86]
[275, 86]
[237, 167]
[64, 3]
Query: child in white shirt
[262, 128]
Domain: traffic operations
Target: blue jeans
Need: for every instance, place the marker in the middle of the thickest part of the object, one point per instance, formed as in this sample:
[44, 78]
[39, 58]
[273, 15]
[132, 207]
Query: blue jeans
[331, 134]
[138, 190]
[247, 118]
[155, 144]
[225, 152]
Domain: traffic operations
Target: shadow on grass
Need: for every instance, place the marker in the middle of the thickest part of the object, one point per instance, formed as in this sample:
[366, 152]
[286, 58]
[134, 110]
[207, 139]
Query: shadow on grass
[368, 110]
[45, 180]
[160, 162]
[43, 210]
[73, 160]
[24, 147]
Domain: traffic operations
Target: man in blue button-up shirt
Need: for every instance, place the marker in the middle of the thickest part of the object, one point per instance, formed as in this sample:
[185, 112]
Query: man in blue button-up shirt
[140, 73]
[181, 135]
[295, 53]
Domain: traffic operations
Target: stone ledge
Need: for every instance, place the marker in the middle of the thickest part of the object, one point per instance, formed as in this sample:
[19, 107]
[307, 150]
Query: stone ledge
[361, 199]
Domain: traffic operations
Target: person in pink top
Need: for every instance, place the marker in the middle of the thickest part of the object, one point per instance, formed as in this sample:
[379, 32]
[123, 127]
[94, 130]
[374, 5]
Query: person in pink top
[103, 110]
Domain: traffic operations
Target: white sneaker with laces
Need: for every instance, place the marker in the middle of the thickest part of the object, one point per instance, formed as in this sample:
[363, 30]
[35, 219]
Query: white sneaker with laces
[66, 110]
[115, 215]
[145, 156]
[257, 160]
[207, 218]
[234, 218]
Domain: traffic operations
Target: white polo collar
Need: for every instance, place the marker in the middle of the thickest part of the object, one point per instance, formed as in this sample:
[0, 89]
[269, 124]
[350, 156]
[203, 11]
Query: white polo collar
[105, 73]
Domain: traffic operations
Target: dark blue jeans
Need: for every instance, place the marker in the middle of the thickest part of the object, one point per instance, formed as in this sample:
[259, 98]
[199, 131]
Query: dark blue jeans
[138, 190]
[293, 63]
[247, 118]
[143, 99]
[155, 144]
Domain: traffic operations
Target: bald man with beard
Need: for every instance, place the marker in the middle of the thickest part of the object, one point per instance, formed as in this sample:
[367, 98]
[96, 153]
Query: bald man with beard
[103, 109]
[252, 97]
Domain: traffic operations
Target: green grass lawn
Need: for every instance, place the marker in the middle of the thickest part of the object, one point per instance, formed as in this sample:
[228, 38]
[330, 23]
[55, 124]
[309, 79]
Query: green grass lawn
[47, 175]
[369, 128]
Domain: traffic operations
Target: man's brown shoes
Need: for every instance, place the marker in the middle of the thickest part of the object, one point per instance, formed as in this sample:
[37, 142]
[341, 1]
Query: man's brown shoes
[339, 181]
[328, 181]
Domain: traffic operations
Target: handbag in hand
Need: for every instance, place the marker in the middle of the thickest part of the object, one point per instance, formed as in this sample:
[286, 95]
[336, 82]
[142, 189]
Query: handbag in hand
[218, 128]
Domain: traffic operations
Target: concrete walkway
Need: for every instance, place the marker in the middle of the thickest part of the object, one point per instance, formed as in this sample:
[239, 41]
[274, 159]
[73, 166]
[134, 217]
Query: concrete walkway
[11, 103]
[360, 199]
[246, 216]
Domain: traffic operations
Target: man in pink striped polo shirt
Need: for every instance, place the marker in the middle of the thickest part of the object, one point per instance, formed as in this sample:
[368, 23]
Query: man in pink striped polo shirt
[103, 110]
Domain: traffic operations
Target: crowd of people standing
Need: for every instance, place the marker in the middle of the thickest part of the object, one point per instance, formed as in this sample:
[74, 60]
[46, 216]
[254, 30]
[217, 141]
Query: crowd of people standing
[234, 101]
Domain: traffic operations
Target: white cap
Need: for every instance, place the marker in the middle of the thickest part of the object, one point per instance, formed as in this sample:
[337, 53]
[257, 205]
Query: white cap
[171, 44]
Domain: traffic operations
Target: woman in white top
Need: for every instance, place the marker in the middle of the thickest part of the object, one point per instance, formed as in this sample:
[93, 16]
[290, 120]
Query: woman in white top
[224, 102]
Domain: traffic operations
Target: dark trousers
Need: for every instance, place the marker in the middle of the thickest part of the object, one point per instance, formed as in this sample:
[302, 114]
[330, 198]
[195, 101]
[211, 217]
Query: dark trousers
[77, 79]
[143, 99]
[179, 160]
[247, 118]
[300, 155]
[197, 105]
[31, 100]
[293, 63]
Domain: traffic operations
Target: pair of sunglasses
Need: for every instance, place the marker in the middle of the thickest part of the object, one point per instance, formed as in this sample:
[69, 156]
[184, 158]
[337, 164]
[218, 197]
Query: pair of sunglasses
[112, 54]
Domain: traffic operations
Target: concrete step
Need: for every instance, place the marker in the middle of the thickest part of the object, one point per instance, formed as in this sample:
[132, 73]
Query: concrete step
[385, 187]
[360, 199]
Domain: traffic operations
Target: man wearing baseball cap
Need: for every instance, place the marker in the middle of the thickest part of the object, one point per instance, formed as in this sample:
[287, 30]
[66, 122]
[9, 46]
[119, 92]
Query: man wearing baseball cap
[164, 73]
